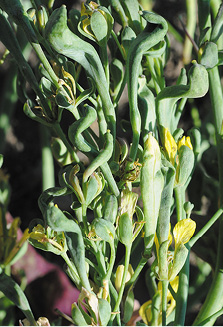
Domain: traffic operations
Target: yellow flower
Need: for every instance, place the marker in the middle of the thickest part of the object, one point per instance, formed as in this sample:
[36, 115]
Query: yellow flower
[87, 12]
[39, 234]
[170, 145]
[145, 312]
[184, 141]
[183, 231]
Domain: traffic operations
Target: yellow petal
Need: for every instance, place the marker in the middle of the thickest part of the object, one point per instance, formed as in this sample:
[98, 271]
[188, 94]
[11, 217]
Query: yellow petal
[185, 141]
[175, 283]
[170, 145]
[145, 312]
[183, 231]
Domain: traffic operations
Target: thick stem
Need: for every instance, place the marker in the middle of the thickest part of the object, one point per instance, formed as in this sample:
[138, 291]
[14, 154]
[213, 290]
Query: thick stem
[164, 301]
[182, 294]
[214, 299]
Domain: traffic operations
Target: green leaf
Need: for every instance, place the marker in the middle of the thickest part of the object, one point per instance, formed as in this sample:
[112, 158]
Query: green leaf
[127, 36]
[110, 208]
[70, 45]
[185, 165]
[217, 28]
[131, 8]
[104, 229]
[99, 27]
[117, 74]
[128, 307]
[180, 256]
[14, 293]
[209, 58]
[168, 97]
[77, 316]
[104, 311]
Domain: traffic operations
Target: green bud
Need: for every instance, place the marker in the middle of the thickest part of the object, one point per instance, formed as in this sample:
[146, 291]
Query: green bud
[185, 165]
[74, 181]
[188, 207]
[195, 136]
[96, 23]
[128, 202]
[104, 229]
[42, 18]
[125, 229]
[93, 187]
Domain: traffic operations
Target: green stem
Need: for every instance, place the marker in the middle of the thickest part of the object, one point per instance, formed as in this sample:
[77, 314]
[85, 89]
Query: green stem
[74, 273]
[194, 239]
[139, 268]
[182, 294]
[213, 301]
[48, 179]
[164, 301]
[121, 291]
[84, 215]
[191, 25]
[180, 199]
[104, 59]
[111, 263]
[116, 100]
[118, 44]
[207, 321]
[61, 134]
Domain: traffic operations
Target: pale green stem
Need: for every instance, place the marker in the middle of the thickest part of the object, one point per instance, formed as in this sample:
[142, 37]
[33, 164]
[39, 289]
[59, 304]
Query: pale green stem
[84, 215]
[213, 301]
[118, 44]
[48, 179]
[180, 199]
[104, 59]
[121, 291]
[73, 270]
[164, 301]
[111, 263]
[191, 25]
[182, 294]
[194, 239]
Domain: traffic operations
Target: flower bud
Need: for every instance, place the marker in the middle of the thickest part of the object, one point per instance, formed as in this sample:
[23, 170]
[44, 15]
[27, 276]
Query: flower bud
[74, 181]
[119, 276]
